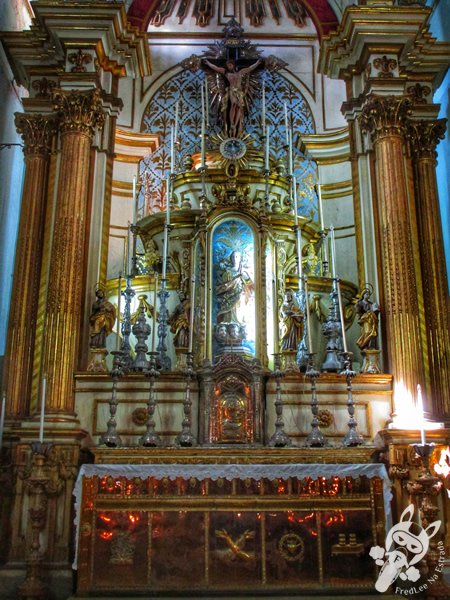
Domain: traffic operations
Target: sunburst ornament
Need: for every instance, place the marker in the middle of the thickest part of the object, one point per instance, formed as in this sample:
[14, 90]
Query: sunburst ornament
[233, 151]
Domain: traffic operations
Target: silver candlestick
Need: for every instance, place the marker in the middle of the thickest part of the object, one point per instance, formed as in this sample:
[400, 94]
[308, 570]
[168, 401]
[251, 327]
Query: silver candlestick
[111, 438]
[331, 328]
[186, 437]
[323, 234]
[279, 439]
[352, 437]
[151, 439]
[302, 350]
[164, 361]
[141, 330]
[315, 437]
[125, 347]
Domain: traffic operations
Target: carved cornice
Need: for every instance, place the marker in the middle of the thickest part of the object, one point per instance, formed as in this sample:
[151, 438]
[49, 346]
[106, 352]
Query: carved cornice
[383, 116]
[79, 111]
[424, 136]
[36, 131]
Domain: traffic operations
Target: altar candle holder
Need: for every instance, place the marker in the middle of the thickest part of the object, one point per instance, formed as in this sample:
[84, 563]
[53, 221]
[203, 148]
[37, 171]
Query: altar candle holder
[315, 438]
[323, 244]
[111, 438]
[186, 437]
[125, 347]
[134, 268]
[279, 439]
[164, 361]
[352, 437]
[151, 439]
[141, 330]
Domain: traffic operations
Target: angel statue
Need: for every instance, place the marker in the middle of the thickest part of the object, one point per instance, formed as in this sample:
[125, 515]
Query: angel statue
[234, 92]
[367, 312]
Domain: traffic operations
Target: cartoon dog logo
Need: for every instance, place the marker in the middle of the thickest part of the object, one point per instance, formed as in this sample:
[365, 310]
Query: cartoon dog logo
[404, 548]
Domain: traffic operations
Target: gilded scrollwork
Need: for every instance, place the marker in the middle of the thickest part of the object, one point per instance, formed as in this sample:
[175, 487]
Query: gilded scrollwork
[79, 111]
[36, 131]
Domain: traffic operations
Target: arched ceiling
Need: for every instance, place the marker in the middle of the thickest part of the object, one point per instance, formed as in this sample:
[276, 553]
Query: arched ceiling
[191, 16]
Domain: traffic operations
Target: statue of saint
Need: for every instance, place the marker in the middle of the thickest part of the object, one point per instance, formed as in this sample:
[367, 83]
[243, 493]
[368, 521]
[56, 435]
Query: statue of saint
[101, 320]
[292, 323]
[179, 322]
[235, 96]
[234, 286]
[367, 312]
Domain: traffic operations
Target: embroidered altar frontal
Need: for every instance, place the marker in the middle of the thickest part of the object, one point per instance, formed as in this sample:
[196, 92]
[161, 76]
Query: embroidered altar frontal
[145, 529]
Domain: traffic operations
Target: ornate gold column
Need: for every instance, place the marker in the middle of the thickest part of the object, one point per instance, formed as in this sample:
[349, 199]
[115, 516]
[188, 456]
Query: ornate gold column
[80, 113]
[37, 131]
[424, 136]
[385, 119]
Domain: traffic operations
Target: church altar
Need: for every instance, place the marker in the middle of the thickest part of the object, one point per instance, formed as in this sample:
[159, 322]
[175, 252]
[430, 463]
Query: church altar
[259, 526]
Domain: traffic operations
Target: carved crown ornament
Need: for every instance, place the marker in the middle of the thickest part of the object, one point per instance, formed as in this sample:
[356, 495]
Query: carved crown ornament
[36, 131]
[79, 111]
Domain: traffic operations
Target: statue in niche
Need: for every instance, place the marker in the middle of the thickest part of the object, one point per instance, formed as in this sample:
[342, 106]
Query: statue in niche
[179, 321]
[101, 320]
[234, 90]
[368, 313]
[292, 323]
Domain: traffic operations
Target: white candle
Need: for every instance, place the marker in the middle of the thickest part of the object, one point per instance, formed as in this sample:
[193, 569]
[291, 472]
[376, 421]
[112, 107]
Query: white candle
[341, 315]
[172, 150]
[319, 193]
[168, 197]
[206, 103]
[134, 201]
[422, 422]
[129, 250]
[267, 153]
[333, 251]
[291, 162]
[177, 112]
[119, 298]
[191, 315]
[298, 236]
[286, 123]
[308, 319]
[2, 419]
[41, 425]
[263, 108]
[154, 311]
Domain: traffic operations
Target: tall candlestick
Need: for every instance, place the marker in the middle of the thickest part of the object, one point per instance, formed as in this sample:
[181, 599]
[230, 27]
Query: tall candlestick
[172, 150]
[333, 251]
[291, 170]
[203, 132]
[134, 201]
[206, 103]
[119, 298]
[286, 123]
[319, 193]
[341, 315]
[191, 315]
[41, 424]
[420, 407]
[154, 311]
[2, 419]
[129, 251]
[267, 153]
[297, 235]
[308, 319]
[263, 107]
[166, 233]
[177, 112]
[168, 198]
[294, 193]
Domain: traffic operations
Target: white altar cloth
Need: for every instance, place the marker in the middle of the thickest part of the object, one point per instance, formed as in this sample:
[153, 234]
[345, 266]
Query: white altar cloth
[233, 471]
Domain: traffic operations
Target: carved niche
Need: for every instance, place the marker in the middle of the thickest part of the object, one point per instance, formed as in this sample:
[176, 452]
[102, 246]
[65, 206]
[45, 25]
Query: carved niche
[231, 401]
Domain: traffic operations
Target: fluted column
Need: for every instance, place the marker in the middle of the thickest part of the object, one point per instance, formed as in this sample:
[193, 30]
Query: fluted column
[80, 114]
[37, 131]
[424, 137]
[385, 118]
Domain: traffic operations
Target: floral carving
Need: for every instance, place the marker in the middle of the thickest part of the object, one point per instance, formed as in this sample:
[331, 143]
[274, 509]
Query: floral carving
[44, 87]
[79, 111]
[418, 93]
[36, 131]
[385, 66]
[385, 115]
[424, 136]
[79, 60]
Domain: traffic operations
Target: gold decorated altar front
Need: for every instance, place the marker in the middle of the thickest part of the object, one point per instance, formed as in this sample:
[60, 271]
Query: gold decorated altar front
[262, 521]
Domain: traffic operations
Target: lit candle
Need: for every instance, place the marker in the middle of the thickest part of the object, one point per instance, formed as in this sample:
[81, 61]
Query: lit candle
[263, 108]
[420, 407]
[2, 419]
[333, 251]
[319, 193]
[134, 201]
[154, 311]
[286, 123]
[341, 315]
[191, 315]
[41, 425]
[267, 153]
[119, 297]
[308, 319]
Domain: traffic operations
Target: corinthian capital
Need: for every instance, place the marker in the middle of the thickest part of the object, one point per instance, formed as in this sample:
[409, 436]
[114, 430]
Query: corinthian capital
[36, 131]
[384, 115]
[424, 136]
[79, 111]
